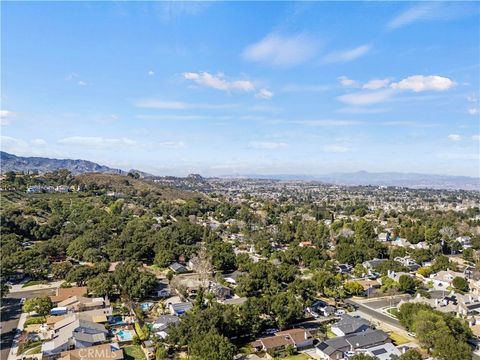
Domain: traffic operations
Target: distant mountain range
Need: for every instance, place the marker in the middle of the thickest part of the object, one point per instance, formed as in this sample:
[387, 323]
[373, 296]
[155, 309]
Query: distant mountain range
[10, 162]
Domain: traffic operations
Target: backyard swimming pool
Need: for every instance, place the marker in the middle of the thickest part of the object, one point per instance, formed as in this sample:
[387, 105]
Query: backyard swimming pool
[125, 335]
[146, 306]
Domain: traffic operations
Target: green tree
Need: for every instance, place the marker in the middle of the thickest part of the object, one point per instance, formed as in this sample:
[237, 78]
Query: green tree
[449, 348]
[4, 290]
[411, 354]
[212, 346]
[41, 305]
[406, 283]
[460, 284]
[361, 356]
[353, 288]
[101, 285]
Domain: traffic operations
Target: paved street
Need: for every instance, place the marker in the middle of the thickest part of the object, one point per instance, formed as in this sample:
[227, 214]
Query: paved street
[10, 314]
[376, 314]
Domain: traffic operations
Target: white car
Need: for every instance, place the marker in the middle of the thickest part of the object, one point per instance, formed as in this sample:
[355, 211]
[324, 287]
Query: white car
[22, 301]
[339, 312]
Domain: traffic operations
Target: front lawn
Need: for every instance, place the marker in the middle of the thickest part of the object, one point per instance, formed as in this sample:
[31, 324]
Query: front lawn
[134, 352]
[296, 357]
[393, 311]
[398, 339]
[34, 282]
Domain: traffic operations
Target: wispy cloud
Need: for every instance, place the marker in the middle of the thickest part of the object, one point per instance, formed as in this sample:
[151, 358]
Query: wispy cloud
[366, 98]
[360, 110]
[329, 122]
[347, 55]
[96, 141]
[171, 10]
[219, 82]
[152, 103]
[264, 94]
[335, 148]
[473, 111]
[416, 13]
[476, 137]
[454, 137]
[281, 50]
[433, 10]
[5, 117]
[172, 144]
[376, 84]
[176, 117]
[266, 145]
[346, 82]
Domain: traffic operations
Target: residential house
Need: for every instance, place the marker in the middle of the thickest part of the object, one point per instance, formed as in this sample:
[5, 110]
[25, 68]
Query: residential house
[177, 268]
[99, 352]
[298, 338]
[221, 292]
[335, 349]
[73, 333]
[443, 279]
[408, 262]
[382, 352]
[465, 241]
[161, 325]
[232, 278]
[179, 308]
[65, 293]
[350, 325]
[81, 303]
[371, 265]
[344, 268]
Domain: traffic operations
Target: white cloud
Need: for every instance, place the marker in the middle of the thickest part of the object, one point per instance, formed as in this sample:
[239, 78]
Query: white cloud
[419, 83]
[266, 145]
[329, 122]
[347, 55]
[376, 84]
[181, 117]
[358, 110]
[366, 98]
[151, 73]
[96, 141]
[81, 83]
[454, 137]
[473, 111]
[172, 144]
[476, 137]
[281, 50]
[21, 147]
[38, 142]
[151, 103]
[335, 148]
[264, 94]
[413, 14]
[5, 117]
[218, 81]
[345, 81]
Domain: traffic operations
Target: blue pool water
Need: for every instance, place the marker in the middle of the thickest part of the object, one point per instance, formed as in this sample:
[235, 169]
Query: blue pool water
[145, 306]
[116, 320]
[125, 335]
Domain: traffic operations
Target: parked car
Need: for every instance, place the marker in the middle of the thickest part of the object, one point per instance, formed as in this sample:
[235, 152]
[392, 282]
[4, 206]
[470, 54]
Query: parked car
[22, 301]
[339, 312]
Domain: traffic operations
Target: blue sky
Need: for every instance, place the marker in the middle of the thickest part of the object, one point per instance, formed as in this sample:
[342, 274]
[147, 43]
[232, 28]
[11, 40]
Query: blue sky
[224, 88]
